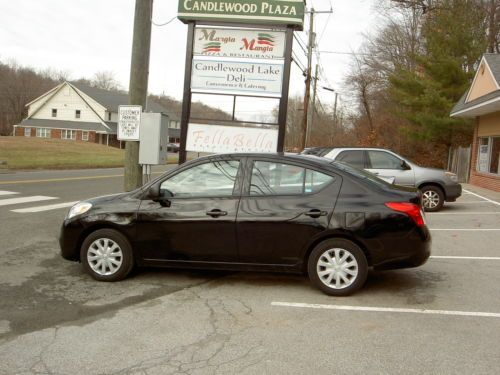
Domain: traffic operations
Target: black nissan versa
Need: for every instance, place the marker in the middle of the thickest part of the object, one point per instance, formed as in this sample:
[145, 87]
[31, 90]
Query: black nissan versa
[278, 212]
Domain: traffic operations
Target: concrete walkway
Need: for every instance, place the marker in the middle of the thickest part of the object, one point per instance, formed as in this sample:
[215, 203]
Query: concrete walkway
[490, 194]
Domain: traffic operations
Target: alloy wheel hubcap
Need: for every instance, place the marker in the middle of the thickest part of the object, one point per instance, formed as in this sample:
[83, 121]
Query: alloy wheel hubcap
[337, 268]
[104, 256]
[430, 199]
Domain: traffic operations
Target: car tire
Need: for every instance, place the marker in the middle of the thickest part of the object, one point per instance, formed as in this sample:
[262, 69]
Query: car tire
[432, 198]
[106, 255]
[337, 267]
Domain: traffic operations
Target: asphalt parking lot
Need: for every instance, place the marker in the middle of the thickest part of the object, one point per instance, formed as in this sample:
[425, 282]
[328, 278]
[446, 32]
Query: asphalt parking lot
[441, 318]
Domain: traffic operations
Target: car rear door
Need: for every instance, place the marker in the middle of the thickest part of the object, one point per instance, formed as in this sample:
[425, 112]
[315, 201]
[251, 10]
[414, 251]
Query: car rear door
[195, 219]
[388, 165]
[283, 205]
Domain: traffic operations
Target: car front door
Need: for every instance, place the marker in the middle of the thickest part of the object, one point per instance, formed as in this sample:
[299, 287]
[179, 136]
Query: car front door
[283, 206]
[194, 219]
[385, 164]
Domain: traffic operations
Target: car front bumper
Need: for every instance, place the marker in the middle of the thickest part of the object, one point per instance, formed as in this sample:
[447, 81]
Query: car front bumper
[452, 192]
[69, 236]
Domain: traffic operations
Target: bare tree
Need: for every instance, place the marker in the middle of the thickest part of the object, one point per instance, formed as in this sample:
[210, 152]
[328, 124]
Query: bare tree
[105, 80]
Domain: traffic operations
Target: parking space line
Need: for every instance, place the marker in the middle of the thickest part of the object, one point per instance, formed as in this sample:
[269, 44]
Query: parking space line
[480, 196]
[462, 213]
[387, 309]
[34, 198]
[5, 192]
[470, 202]
[464, 229]
[44, 208]
[459, 257]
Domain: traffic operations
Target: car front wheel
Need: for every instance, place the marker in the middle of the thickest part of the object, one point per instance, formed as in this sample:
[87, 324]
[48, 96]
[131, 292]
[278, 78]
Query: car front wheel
[432, 198]
[106, 255]
[337, 267]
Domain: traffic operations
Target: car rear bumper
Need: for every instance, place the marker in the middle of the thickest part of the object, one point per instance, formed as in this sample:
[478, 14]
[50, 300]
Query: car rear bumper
[452, 192]
[413, 253]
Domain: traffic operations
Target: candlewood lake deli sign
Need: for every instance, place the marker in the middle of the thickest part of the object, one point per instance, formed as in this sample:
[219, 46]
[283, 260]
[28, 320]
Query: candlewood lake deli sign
[275, 12]
[222, 138]
[259, 79]
[252, 44]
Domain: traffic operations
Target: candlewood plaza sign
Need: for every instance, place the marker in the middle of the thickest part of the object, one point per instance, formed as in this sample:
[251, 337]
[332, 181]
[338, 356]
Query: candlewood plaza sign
[275, 12]
[259, 79]
[251, 43]
[221, 138]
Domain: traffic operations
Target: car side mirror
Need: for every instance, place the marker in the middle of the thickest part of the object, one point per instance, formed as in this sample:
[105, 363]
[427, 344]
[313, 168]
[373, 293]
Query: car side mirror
[405, 166]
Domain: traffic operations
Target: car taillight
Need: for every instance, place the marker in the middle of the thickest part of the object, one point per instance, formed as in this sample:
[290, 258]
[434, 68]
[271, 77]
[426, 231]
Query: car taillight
[411, 209]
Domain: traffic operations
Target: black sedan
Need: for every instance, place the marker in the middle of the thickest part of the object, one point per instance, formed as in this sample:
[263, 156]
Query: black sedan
[272, 212]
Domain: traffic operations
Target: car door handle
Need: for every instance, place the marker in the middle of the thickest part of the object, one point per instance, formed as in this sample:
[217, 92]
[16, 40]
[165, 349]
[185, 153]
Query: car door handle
[314, 213]
[216, 213]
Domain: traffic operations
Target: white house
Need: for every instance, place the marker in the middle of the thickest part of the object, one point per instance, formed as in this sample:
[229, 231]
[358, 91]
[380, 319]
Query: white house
[75, 111]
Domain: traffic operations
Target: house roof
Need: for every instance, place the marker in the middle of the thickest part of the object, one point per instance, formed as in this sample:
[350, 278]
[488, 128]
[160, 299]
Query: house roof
[488, 103]
[493, 60]
[73, 125]
[112, 99]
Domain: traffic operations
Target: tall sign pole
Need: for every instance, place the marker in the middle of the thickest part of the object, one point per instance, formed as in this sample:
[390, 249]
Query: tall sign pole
[138, 88]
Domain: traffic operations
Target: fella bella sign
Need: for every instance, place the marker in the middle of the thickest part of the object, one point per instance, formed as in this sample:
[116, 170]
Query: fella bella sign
[263, 12]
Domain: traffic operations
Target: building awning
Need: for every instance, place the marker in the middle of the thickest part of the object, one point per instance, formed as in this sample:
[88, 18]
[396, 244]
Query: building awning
[481, 106]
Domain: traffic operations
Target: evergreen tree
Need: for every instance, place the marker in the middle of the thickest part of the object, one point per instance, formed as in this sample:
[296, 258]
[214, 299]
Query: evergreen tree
[454, 35]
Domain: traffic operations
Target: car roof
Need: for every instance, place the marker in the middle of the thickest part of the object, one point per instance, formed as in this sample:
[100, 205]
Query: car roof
[311, 159]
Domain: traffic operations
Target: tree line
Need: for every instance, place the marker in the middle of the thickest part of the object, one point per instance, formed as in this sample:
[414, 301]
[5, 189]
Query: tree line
[406, 78]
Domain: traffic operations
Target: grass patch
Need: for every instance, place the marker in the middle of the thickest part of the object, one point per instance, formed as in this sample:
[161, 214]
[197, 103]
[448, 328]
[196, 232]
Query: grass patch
[40, 153]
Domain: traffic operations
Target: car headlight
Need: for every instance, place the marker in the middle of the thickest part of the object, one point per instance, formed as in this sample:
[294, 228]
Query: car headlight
[78, 209]
[451, 176]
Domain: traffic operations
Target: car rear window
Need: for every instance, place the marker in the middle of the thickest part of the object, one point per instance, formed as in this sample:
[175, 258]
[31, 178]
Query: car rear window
[269, 178]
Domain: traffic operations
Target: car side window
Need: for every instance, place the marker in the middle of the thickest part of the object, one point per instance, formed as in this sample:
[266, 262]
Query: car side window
[352, 157]
[384, 160]
[214, 179]
[269, 178]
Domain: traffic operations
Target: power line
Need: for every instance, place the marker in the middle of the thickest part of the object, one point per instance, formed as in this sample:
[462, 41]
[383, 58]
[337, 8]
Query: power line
[346, 53]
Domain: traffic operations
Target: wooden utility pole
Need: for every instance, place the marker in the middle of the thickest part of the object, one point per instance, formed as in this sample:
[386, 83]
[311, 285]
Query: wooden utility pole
[138, 87]
[308, 81]
[313, 109]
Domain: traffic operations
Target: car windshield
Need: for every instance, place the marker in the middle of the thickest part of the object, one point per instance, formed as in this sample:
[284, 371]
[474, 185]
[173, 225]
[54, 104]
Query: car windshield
[360, 173]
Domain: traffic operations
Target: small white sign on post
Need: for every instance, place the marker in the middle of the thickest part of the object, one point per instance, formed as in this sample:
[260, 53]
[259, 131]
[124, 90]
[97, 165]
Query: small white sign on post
[129, 122]
[222, 138]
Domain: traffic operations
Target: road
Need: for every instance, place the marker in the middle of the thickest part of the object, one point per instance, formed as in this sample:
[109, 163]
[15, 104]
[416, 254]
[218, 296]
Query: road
[443, 317]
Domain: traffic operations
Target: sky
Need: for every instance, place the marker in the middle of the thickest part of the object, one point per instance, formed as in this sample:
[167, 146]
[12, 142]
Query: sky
[82, 37]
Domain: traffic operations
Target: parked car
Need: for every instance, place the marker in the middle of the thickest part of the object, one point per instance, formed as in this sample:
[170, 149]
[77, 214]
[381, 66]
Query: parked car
[257, 212]
[436, 185]
[172, 147]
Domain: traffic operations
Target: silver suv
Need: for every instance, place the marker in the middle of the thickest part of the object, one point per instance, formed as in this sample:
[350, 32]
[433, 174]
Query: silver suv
[436, 185]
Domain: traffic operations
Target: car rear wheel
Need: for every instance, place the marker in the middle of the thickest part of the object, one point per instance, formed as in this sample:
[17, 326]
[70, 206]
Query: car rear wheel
[107, 255]
[337, 267]
[432, 198]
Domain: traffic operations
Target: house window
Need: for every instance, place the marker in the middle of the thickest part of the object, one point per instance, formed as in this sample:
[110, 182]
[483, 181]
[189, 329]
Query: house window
[488, 157]
[68, 134]
[43, 133]
[78, 113]
[27, 132]
[54, 112]
[85, 136]
[109, 116]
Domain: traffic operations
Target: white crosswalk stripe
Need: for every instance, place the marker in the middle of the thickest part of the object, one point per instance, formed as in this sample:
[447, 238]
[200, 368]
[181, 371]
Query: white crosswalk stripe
[5, 192]
[44, 208]
[34, 198]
